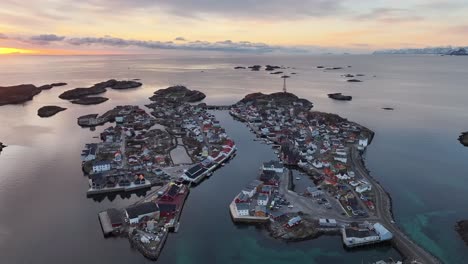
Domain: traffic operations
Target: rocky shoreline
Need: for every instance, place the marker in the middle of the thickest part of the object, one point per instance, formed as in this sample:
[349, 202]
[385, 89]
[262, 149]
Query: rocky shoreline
[463, 138]
[22, 93]
[49, 110]
[462, 229]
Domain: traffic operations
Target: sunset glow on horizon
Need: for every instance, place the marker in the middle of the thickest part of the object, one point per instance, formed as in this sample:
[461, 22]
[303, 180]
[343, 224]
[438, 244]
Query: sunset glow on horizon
[316, 26]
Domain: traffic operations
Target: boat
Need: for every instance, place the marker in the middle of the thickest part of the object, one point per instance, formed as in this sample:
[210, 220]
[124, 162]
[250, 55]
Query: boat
[297, 178]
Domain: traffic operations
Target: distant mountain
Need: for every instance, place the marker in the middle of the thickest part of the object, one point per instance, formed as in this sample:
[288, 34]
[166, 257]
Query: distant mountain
[459, 51]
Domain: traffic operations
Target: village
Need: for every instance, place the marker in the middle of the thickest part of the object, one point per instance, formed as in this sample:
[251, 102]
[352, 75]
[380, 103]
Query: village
[318, 145]
[178, 144]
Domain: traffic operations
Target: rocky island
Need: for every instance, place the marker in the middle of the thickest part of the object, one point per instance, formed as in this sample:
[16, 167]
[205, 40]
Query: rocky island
[178, 93]
[354, 80]
[341, 199]
[78, 95]
[22, 93]
[463, 138]
[339, 96]
[49, 110]
[462, 229]
[89, 100]
[141, 150]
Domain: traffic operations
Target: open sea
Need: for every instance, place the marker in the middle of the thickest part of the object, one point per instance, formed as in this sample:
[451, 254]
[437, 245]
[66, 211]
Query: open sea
[45, 216]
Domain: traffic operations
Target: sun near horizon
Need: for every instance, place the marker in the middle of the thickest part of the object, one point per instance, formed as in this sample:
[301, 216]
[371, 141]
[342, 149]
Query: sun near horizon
[8, 51]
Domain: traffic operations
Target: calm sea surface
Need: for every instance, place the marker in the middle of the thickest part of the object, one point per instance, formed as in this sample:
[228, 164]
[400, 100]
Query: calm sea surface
[45, 216]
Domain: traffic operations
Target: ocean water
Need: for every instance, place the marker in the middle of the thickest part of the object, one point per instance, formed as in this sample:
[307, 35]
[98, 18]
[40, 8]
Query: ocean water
[45, 216]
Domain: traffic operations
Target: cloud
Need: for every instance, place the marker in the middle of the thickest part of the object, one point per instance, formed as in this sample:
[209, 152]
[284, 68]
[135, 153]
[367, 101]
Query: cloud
[180, 39]
[226, 45]
[3, 36]
[45, 39]
[389, 15]
[251, 9]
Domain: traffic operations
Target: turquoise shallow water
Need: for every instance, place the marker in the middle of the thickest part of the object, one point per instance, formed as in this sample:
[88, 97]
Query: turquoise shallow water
[415, 155]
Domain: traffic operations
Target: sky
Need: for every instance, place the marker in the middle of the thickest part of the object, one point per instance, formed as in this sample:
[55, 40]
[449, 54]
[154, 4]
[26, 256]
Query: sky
[288, 26]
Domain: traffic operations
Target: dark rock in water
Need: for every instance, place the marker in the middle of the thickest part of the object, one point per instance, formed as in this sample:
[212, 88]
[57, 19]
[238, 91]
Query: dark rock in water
[360, 74]
[463, 138]
[278, 72]
[462, 229]
[339, 96]
[334, 68]
[271, 67]
[458, 52]
[255, 67]
[388, 108]
[82, 92]
[2, 146]
[354, 80]
[239, 68]
[89, 100]
[50, 86]
[285, 76]
[49, 110]
[121, 85]
[320, 67]
[98, 88]
[349, 66]
[18, 94]
[348, 75]
[293, 73]
[178, 93]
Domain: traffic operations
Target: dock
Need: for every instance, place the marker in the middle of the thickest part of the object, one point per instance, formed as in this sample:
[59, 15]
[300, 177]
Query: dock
[131, 187]
[106, 224]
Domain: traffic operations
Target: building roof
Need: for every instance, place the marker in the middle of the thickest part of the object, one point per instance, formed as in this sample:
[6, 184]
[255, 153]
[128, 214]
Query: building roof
[101, 163]
[167, 207]
[115, 216]
[242, 206]
[142, 209]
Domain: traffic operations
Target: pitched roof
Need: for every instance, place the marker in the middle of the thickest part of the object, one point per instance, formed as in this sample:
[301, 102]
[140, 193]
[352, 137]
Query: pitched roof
[141, 209]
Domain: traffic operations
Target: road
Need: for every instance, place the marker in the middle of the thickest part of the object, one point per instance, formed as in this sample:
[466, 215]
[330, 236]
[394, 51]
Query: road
[409, 249]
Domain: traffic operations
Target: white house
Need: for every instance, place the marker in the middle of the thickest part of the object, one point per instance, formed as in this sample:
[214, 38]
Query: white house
[363, 188]
[242, 209]
[101, 166]
[273, 166]
[251, 189]
[262, 199]
[137, 212]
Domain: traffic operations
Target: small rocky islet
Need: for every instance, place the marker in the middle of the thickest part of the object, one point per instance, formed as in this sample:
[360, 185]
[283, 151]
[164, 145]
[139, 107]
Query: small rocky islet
[340, 97]
[178, 93]
[463, 138]
[49, 110]
[90, 100]
[2, 146]
[22, 93]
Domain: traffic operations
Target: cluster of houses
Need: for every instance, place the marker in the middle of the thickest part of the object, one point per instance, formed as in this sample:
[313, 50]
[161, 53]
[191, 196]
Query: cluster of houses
[129, 154]
[317, 142]
[201, 133]
[255, 198]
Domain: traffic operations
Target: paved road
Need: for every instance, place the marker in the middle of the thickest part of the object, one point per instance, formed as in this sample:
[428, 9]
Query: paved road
[409, 249]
